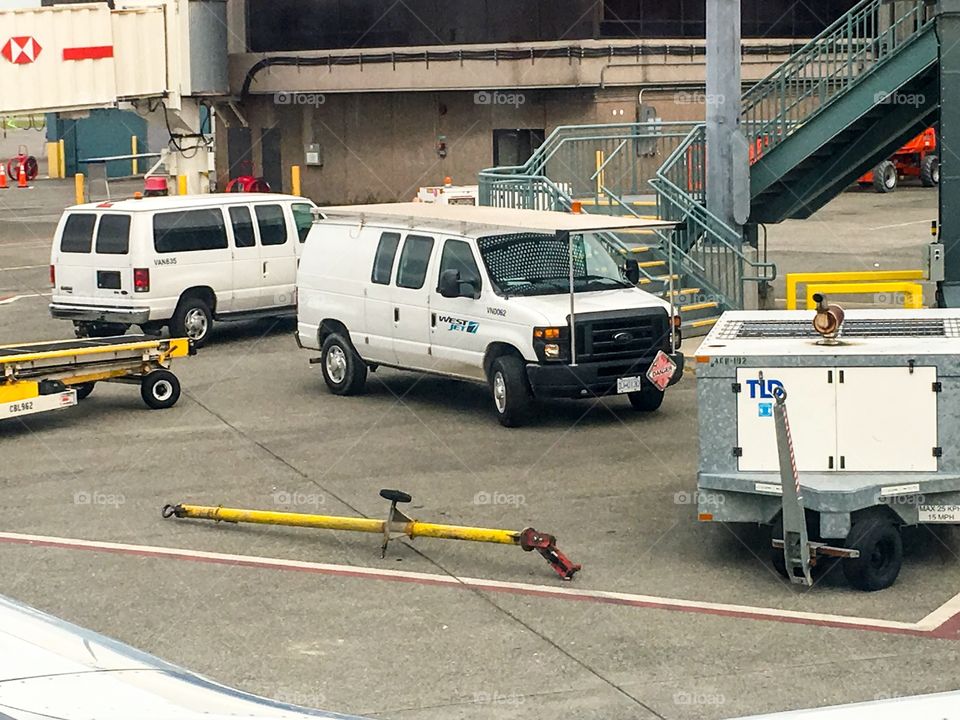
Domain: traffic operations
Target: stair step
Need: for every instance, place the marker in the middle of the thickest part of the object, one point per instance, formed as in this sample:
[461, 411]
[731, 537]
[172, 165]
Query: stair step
[640, 249]
[701, 323]
[686, 291]
[652, 263]
[698, 306]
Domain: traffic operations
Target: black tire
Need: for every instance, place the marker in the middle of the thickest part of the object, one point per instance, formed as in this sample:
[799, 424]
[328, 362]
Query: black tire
[930, 171]
[776, 554]
[192, 319]
[84, 390]
[881, 554]
[160, 389]
[98, 329]
[512, 398]
[647, 399]
[344, 371]
[885, 177]
[154, 327]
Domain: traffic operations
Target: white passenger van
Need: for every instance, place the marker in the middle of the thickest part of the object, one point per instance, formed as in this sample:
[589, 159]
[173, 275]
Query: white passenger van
[483, 294]
[181, 261]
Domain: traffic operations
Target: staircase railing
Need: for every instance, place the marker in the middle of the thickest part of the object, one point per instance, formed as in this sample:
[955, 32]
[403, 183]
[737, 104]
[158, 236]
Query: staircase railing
[709, 249]
[819, 72]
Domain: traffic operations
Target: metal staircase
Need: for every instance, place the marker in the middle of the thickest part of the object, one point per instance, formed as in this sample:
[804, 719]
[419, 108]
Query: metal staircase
[843, 102]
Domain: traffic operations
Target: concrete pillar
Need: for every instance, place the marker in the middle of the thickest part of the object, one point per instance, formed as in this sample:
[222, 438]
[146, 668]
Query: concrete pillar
[727, 158]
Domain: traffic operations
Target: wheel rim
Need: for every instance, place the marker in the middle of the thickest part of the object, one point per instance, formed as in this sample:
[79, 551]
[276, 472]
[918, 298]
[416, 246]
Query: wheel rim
[195, 323]
[890, 177]
[336, 364]
[500, 392]
[162, 390]
[936, 173]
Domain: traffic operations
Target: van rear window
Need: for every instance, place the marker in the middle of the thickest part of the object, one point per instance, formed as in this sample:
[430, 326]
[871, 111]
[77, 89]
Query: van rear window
[189, 230]
[113, 235]
[78, 233]
[303, 219]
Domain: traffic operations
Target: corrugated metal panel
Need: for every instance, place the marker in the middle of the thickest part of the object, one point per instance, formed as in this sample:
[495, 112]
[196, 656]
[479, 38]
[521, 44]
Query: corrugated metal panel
[139, 38]
[208, 47]
[56, 58]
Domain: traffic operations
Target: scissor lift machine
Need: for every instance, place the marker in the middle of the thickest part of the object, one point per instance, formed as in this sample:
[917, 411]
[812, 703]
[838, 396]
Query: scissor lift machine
[36, 377]
[874, 407]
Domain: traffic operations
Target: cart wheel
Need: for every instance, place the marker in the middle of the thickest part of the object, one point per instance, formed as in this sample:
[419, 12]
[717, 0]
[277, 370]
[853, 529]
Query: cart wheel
[776, 554]
[885, 177]
[160, 389]
[930, 171]
[881, 554]
[646, 400]
[84, 389]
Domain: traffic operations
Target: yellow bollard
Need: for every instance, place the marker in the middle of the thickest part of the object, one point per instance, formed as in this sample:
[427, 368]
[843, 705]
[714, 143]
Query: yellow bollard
[295, 180]
[134, 163]
[181, 184]
[53, 160]
[794, 279]
[62, 160]
[79, 195]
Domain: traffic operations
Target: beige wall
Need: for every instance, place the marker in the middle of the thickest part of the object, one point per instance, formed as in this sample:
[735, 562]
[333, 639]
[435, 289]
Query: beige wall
[382, 146]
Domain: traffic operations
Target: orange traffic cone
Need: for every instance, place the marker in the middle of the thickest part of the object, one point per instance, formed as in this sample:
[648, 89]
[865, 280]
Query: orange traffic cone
[22, 178]
[3, 177]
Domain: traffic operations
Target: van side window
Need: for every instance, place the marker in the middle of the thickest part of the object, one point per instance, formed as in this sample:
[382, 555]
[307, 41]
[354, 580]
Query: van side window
[413, 261]
[273, 227]
[189, 230]
[78, 233]
[457, 255]
[242, 224]
[303, 219]
[383, 261]
[113, 235]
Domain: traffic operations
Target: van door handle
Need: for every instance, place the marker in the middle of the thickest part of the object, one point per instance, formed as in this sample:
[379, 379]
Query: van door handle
[396, 314]
[264, 268]
[433, 319]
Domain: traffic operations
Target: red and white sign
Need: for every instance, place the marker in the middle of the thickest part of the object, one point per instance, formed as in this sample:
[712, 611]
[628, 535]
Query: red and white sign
[661, 370]
[91, 52]
[21, 50]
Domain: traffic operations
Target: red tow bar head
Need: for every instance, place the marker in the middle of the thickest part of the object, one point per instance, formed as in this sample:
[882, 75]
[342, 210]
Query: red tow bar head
[546, 545]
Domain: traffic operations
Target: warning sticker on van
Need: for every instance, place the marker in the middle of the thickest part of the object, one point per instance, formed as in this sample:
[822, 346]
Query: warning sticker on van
[458, 325]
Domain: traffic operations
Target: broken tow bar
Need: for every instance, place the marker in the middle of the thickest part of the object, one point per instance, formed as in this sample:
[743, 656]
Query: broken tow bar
[397, 524]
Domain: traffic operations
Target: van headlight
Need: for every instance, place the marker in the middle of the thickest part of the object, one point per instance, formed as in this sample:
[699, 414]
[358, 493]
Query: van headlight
[551, 343]
[551, 351]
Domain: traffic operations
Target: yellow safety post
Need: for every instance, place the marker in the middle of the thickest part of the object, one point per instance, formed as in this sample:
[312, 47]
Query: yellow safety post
[599, 173]
[794, 279]
[181, 184]
[62, 159]
[134, 163]
[295, 179]
[78, 192]
[913, 292]
[53, 160]
[397, 524]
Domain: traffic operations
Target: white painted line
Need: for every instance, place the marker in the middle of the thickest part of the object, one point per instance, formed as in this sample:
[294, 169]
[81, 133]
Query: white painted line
[903, 224]
[13, 298]
[928, 626]
[23, 267]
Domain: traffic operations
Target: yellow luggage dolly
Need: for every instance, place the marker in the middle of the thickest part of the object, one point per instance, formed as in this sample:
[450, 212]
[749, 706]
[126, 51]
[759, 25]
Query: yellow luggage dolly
[36, 377]
[397, 524]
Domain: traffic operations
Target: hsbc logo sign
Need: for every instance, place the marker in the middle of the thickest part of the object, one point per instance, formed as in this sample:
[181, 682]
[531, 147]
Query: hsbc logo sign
[21, 50]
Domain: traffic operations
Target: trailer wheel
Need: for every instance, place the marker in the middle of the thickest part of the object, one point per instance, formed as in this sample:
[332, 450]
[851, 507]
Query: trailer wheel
[930, 171]
[885, 177]
[160, 389]
[84, 389]
[343, 369]
[881, 554]
[647, 399]
[511, 393]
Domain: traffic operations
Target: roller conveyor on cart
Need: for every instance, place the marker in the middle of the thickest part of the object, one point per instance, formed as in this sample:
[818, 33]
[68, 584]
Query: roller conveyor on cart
[36, 377]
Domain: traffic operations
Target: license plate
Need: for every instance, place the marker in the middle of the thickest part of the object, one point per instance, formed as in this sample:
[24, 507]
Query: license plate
[629, 384]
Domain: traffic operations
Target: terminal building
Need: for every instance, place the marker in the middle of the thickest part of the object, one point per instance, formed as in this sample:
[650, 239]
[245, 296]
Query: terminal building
[374, 98]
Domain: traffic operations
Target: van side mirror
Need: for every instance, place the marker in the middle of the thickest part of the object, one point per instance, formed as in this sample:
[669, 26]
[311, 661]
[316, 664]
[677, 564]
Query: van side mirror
[633, 271]
[451, 286]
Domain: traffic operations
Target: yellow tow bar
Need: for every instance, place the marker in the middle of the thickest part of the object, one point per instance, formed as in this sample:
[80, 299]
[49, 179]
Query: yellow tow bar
[396, 525]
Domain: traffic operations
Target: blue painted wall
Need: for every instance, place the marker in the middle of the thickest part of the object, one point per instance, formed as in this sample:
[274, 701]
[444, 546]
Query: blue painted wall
[103, 133]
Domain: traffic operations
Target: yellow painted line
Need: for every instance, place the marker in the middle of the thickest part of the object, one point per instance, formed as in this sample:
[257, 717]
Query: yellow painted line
[698, 306]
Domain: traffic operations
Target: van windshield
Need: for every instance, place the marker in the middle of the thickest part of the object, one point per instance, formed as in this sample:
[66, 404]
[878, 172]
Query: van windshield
[539, 264]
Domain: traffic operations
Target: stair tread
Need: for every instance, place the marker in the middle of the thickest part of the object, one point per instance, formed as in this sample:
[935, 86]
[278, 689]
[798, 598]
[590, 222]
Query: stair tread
[702, 322]
[699, 306]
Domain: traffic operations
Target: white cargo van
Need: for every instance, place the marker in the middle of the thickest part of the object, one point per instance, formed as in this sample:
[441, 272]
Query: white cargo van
[483, 294]
[180, 261]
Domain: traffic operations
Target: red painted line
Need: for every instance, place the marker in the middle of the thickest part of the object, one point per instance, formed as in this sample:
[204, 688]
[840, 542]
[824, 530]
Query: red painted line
[949, 629]
[92, 52]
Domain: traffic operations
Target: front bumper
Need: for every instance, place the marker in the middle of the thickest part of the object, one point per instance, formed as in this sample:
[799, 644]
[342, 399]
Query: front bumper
[587, 379]
[93, 313]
